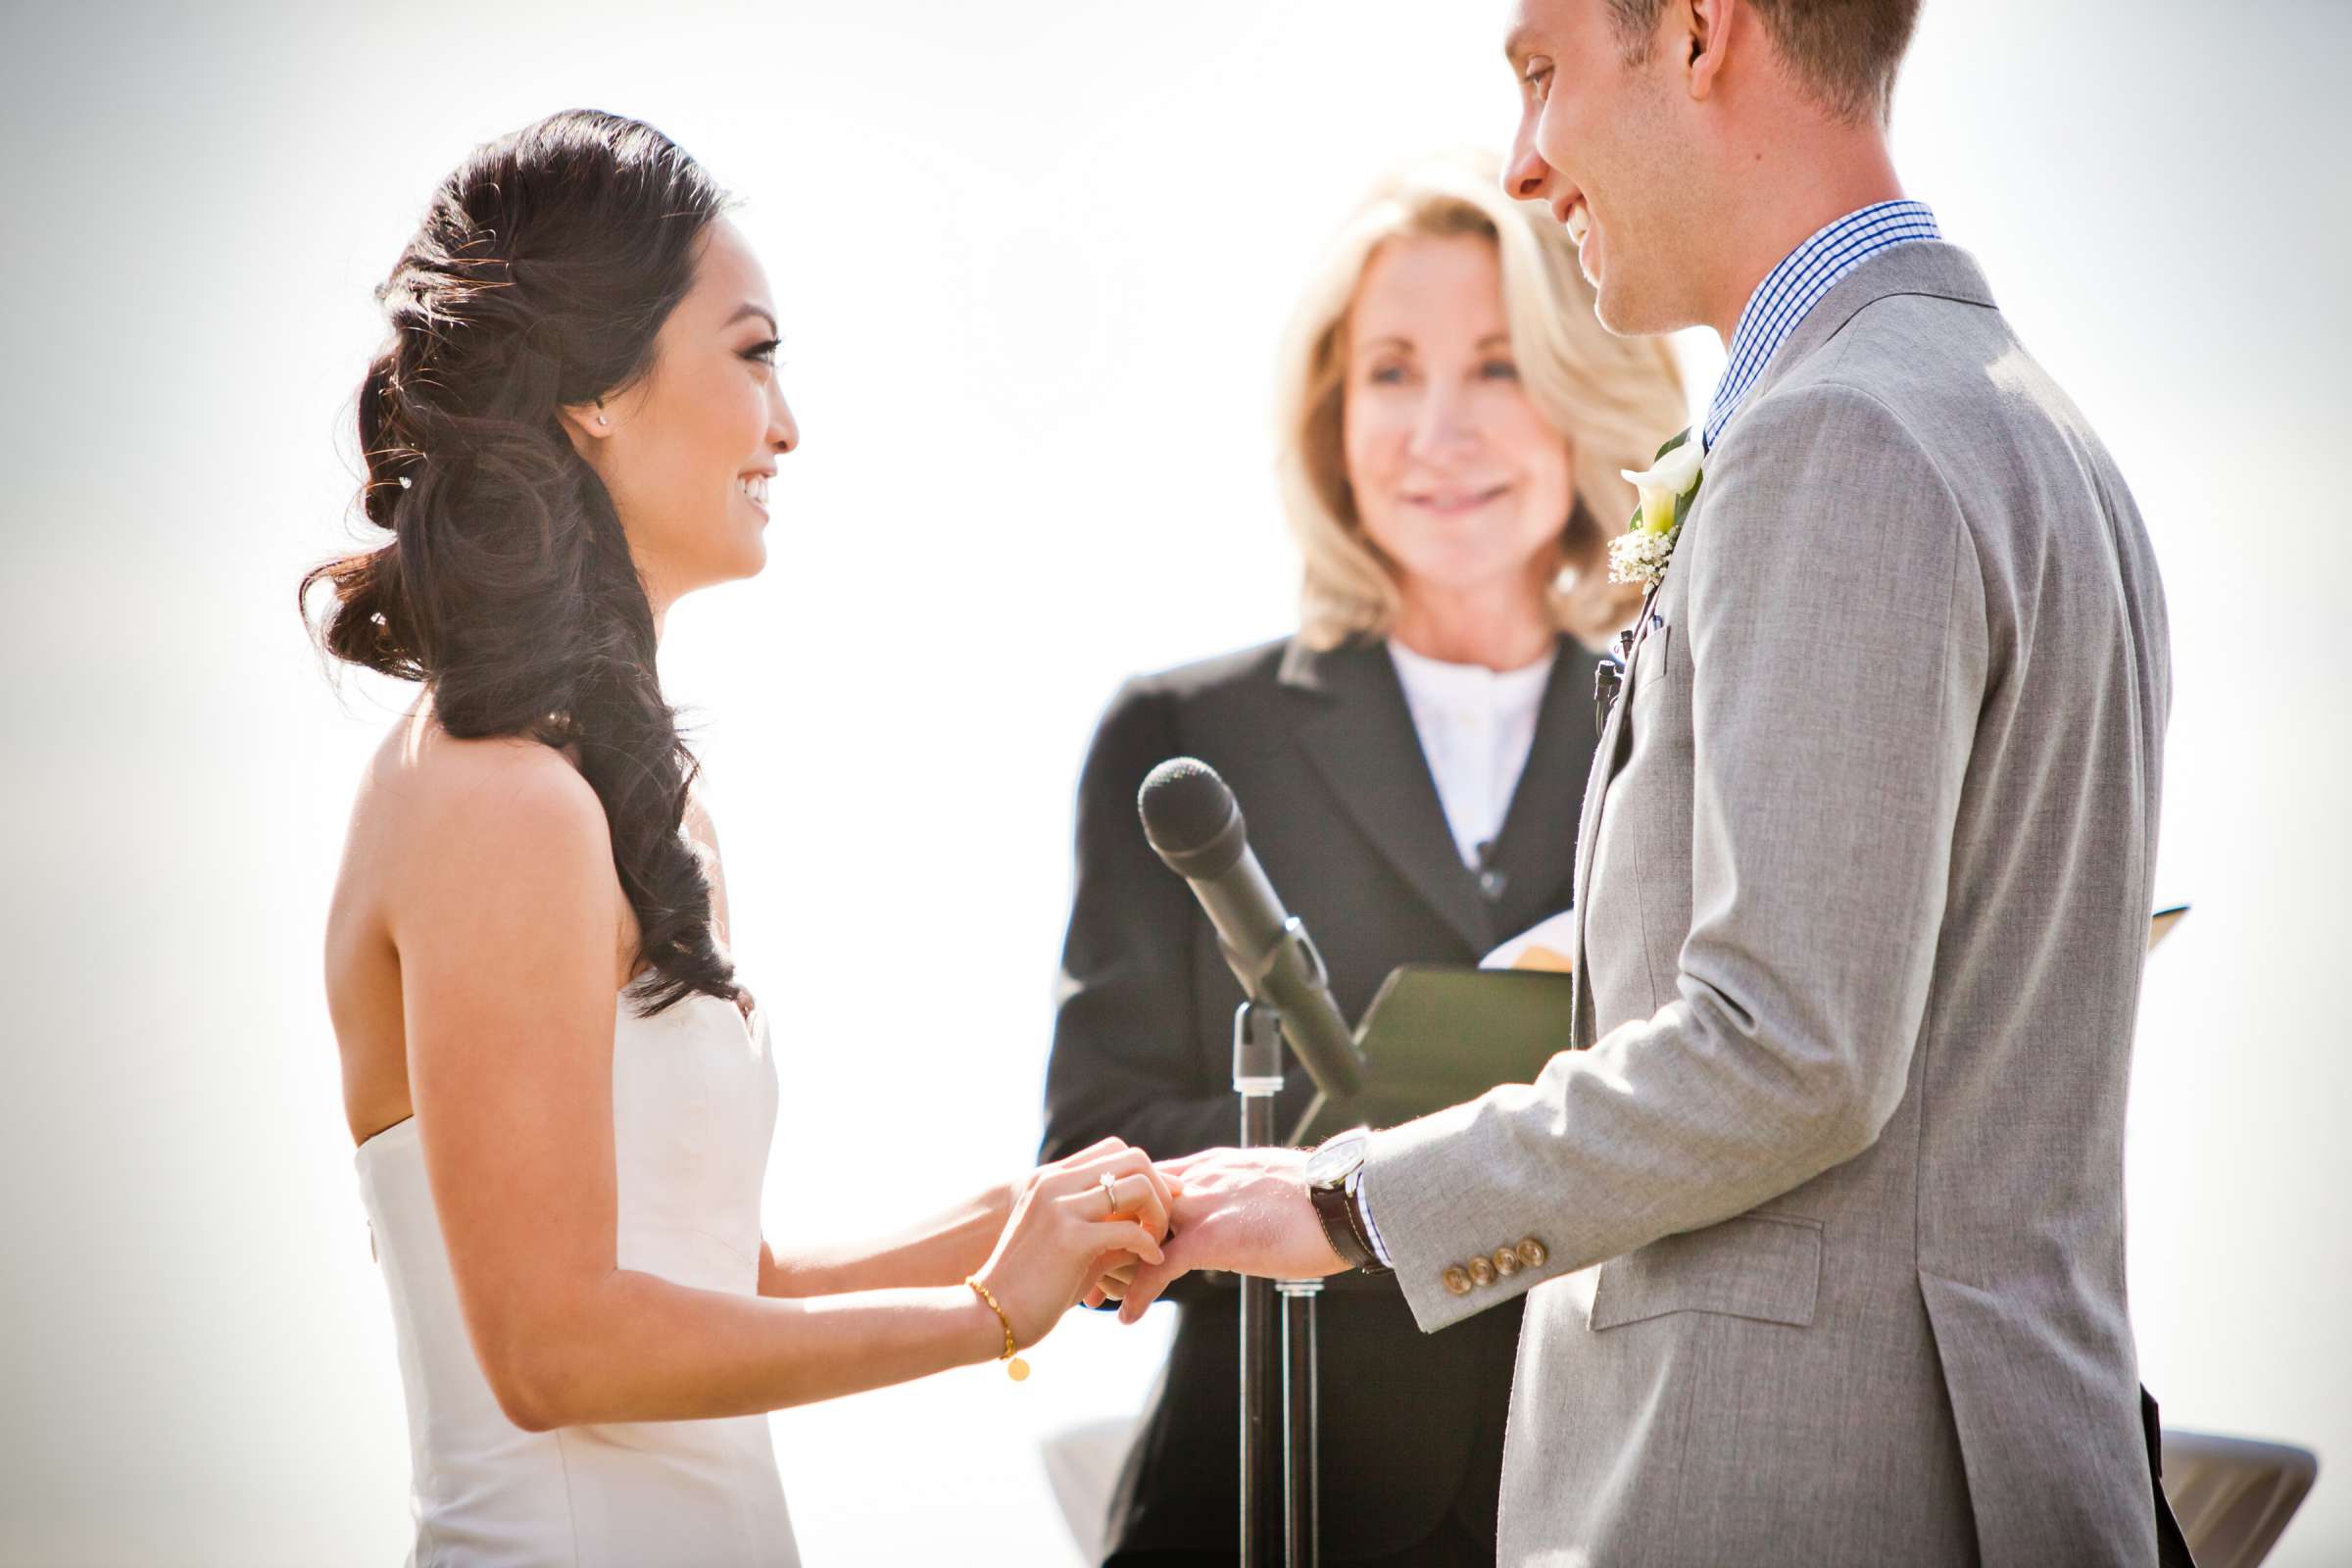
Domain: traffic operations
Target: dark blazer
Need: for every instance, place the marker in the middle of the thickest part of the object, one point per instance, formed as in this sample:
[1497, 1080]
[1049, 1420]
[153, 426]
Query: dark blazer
[1321, 752]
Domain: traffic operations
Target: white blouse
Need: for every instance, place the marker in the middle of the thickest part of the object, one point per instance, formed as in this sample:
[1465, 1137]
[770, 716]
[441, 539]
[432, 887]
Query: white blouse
[1477, 726]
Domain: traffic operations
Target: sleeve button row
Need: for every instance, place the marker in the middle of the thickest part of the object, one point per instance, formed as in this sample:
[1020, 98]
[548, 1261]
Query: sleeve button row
[1460, 1279]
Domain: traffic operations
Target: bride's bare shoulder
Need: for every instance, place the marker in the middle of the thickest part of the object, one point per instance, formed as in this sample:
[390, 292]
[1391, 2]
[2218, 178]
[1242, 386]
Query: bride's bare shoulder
[458, 852]
[420, 766]
[435, 811]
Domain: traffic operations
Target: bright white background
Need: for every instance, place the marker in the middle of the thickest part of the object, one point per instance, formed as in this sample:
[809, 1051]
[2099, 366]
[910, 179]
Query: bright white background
[1032, 258]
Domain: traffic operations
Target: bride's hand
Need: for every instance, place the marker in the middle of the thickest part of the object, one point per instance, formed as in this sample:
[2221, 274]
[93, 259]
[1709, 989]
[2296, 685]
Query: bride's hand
[1100, 1207]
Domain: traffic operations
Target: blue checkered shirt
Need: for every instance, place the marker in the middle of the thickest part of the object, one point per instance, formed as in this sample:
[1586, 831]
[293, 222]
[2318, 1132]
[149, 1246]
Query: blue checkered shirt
[1791, 290]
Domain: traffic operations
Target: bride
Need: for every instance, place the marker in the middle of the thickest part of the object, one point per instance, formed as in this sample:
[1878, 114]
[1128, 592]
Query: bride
[561, 1087]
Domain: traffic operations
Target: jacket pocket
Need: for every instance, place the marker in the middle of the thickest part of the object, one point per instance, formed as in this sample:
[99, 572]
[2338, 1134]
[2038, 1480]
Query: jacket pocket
[1762, 1266]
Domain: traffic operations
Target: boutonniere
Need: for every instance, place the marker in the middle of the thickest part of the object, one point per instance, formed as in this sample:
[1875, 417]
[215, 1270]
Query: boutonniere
[1668, 486]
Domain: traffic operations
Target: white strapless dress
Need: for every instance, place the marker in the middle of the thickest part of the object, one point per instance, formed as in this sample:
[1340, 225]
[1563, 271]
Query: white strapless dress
[693, 1107]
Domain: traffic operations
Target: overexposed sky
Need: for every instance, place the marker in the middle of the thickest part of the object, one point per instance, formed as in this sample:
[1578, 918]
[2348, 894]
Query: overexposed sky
[1032, 260]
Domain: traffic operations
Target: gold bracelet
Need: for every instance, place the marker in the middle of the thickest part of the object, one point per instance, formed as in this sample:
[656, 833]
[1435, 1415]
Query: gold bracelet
[1014, 1367]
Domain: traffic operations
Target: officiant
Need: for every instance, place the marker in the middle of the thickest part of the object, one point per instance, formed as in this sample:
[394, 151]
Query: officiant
[1453, 421]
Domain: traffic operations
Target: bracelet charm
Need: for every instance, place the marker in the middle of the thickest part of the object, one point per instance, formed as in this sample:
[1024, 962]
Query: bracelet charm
[1014, 1367]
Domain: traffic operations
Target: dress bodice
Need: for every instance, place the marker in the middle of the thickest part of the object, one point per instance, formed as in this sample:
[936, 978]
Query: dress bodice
[694, 1108]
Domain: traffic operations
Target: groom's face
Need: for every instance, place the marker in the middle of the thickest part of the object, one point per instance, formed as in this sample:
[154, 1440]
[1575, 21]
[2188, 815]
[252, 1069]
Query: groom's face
[1600, 144]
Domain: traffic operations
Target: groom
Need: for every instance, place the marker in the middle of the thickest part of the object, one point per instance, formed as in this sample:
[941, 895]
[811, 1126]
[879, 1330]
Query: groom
[1820, 1218]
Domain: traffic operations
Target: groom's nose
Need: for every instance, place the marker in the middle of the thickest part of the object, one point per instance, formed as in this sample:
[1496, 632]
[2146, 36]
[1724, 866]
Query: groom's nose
[1526, 175]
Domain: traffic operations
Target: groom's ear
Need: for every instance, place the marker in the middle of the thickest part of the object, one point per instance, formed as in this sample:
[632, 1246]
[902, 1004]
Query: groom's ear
[1710, 29]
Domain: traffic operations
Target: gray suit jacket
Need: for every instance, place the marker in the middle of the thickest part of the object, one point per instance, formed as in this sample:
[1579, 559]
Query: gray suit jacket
[1827, 1194]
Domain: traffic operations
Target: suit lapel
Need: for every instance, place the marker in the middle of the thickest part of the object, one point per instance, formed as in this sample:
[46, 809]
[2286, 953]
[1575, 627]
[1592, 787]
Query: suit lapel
[1354, 734]
[1605, 759]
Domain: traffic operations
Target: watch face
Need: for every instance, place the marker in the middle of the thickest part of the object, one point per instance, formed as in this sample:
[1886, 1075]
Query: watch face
[1332, 1163]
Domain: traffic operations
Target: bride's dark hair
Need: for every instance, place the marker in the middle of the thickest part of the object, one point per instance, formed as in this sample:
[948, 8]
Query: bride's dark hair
[538, 280]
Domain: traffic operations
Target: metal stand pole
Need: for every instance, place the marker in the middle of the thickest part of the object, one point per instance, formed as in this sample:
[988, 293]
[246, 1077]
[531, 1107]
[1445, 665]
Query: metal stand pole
[1257, 1079]
[1301, 1470]
[1282, 1483]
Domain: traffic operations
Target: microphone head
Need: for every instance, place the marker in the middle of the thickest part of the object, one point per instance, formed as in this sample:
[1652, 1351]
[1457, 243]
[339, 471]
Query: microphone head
[1192, 818]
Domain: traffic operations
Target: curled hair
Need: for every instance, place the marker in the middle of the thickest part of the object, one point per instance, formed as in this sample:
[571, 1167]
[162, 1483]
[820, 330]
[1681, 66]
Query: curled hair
[539, 279]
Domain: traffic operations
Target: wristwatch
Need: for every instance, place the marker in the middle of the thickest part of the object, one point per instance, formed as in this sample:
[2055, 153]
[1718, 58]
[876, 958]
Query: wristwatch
[1333, 1174]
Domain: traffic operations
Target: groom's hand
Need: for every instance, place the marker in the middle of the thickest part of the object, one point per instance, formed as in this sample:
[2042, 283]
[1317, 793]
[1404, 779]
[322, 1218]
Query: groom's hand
[1244, 1210]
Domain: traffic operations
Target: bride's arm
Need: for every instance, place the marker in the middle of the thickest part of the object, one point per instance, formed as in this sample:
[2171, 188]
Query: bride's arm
[510, 926]
[940, 1250]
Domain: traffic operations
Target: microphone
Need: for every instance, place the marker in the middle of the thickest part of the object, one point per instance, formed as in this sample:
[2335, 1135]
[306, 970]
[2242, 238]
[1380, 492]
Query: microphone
[1194, 824]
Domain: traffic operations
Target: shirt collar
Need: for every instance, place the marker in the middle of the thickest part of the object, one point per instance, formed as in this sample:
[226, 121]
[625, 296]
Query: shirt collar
[1791, 290]
[1460, 686]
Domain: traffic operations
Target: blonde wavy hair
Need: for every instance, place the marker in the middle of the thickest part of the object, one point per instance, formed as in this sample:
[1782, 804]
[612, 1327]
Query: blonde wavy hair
[1613, 399]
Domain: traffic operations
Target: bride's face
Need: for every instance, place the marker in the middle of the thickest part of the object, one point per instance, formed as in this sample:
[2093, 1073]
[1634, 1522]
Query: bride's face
[686, 454]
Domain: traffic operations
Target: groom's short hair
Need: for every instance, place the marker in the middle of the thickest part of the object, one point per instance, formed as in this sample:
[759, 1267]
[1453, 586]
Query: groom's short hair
[1844, 52]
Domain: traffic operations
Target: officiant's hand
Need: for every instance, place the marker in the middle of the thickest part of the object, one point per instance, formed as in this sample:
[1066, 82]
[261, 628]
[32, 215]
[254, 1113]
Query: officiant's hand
[1244, 1210]
[1072, 1219]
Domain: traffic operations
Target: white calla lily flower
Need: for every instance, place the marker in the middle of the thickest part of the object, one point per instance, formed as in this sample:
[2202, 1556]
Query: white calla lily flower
[1665, 482]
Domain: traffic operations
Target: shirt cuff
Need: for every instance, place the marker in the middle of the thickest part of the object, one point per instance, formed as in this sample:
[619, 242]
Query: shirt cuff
[1361, 1200]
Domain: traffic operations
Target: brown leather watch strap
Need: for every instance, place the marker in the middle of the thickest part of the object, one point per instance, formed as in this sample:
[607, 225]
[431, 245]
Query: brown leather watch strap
[1339, 1228]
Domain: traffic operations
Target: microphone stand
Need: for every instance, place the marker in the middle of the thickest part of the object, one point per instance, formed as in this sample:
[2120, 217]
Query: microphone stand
[1290, 1472]
[1302, 1470]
